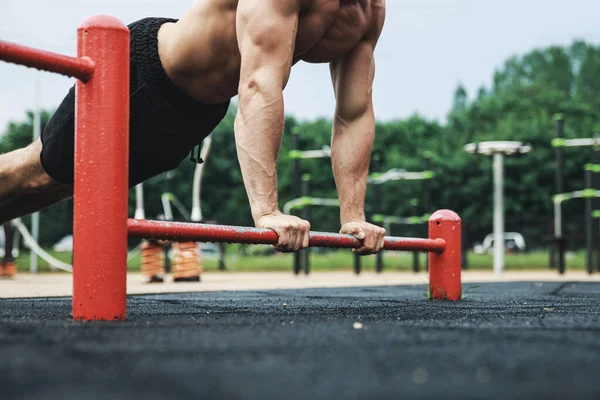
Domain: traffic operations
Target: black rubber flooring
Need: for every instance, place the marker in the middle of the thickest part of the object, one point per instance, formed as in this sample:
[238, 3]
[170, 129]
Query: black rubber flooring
[504, 341]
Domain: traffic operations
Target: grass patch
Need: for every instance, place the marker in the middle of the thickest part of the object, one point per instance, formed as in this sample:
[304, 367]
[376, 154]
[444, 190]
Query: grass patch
[342, 260]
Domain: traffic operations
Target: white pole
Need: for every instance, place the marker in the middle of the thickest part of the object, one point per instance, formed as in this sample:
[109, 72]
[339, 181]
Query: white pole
[196, 210]
[498, 213]
[37, 127]
[557, 220]
[139, 202]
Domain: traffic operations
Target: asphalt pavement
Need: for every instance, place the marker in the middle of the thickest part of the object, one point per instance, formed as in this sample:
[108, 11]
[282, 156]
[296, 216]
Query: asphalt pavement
[529, 340]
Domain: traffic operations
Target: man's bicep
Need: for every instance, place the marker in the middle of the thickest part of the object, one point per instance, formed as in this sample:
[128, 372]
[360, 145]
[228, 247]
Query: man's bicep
[352, 77]
[266, 35]
[353, 74]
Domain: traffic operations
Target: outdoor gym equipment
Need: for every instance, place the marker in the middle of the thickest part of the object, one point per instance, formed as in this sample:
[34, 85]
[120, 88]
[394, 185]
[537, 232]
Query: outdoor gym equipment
[498, 150]
[387, 221]
[101, 226]
[187, 257]
[589, 193]
[301, 191]
[377, 179]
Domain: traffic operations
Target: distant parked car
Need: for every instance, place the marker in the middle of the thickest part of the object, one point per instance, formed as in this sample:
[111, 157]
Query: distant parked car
[209, 250]
[513, 241]
[64, 245]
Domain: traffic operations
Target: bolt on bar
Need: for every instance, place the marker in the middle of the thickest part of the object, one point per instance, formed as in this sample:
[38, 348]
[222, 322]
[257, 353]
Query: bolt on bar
[80, 68]
[181, 231]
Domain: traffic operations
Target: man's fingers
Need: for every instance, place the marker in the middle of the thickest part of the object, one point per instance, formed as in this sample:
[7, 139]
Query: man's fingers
[296, 235]
[369, 242]
[305, 234]
[380, 239]
[354, 230]
[364, 251]
[283, 238]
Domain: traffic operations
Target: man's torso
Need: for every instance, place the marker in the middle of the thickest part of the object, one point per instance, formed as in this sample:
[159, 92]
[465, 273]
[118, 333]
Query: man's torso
[204, 58]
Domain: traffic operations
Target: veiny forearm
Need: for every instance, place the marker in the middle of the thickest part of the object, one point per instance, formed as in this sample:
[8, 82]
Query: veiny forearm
[258, 131]
[351, 146]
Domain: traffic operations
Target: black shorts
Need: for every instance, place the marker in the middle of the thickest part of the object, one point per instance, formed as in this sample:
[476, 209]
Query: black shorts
[165, 124]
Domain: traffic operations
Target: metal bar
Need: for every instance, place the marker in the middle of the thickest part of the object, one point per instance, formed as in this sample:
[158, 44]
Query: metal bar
[427, 201]
[416, 265]
[140, 212]
[325, 152]
[37, 128]
[183, 232]
[596, 205]
[400, 175]
[101, 173]
[8, 241]
[558, 182]
[582, 142]
[357, 264]
[196, 215]
[35, 247]
[168, 211]
[296, 188]
[305, 201]
[562, 248]
[222, 265]
[306, 216]
[498, 213]
[378, 204]
[80, 68]
[588, 225]
[559, 240]
[297, 262]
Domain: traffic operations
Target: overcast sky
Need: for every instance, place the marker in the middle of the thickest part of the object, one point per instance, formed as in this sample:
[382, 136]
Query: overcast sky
[427, 48]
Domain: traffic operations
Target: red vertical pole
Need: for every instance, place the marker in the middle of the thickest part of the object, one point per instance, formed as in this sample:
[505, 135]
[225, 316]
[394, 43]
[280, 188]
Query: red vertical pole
[444, 268]
[101, 173]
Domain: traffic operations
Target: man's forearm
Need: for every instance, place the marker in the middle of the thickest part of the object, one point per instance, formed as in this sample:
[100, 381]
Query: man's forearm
[258, 130]
[351, 146]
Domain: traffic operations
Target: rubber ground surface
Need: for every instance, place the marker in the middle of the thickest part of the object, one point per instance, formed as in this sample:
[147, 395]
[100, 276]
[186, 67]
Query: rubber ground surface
[504, 341]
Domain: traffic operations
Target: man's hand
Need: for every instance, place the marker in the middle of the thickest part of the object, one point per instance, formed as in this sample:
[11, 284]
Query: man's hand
[293, 232]
[372, 236]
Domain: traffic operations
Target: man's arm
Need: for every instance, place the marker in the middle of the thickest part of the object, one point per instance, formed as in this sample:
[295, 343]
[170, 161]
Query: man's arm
[353, 134]
[266, 32]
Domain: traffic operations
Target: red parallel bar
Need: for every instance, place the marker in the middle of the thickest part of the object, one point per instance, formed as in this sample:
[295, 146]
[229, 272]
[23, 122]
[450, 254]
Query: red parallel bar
[180, 231]
[80, 68]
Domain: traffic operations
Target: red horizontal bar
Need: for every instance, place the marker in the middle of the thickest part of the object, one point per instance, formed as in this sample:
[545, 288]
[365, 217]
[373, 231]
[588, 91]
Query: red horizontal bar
[180, 231]
[80, 68]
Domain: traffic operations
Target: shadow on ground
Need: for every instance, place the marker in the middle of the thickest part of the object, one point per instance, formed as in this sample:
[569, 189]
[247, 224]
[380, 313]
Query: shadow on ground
[506, 340]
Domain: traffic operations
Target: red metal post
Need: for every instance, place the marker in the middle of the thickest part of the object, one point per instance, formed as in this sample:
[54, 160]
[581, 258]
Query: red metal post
[101, 173]
[444, 268]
